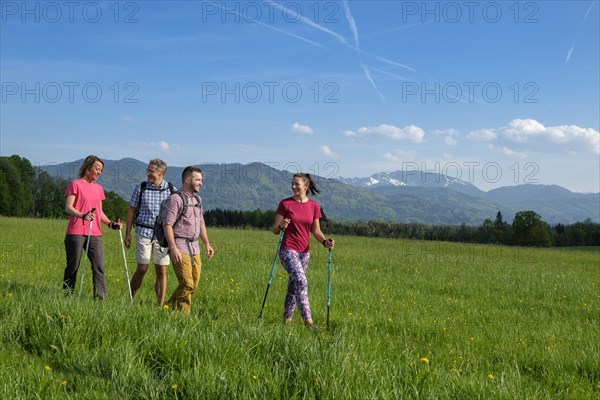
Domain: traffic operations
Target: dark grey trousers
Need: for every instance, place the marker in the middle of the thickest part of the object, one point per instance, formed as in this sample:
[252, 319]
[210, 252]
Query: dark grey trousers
[75, 248]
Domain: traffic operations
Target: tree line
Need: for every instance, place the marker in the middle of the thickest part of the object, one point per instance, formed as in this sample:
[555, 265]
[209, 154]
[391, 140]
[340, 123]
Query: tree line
[526, 229]
[29, 192]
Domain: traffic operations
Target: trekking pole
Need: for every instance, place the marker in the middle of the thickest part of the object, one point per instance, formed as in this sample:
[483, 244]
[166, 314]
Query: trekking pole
[87, 248]
[125, 261]
[271, 276]
[328, 285]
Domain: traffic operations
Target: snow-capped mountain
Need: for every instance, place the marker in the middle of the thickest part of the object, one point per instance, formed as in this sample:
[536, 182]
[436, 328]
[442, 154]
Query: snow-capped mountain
[414, 179]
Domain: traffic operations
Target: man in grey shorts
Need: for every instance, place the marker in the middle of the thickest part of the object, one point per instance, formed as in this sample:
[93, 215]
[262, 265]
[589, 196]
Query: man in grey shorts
[143, 209]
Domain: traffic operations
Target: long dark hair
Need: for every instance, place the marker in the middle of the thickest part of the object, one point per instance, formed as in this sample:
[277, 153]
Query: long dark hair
[87, 164]
[312, 188]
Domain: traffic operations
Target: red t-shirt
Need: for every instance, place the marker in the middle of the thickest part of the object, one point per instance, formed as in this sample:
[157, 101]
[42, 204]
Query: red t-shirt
[302, 216]
[87, 196]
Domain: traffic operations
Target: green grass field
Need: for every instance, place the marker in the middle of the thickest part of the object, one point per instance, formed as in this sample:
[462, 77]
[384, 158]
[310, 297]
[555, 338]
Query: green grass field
[409, 319]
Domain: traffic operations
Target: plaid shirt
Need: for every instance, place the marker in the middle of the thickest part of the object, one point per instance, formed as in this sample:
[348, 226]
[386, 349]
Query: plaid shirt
[149, 207]
[190, 224]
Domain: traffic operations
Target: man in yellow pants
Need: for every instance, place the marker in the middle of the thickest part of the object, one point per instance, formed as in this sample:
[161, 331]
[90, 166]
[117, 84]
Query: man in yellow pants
[183, 224]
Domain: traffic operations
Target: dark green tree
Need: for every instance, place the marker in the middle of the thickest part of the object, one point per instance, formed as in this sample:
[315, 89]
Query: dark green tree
[499, 219]
[48, 196]
[4, 194]
[530, 230]
[14, 185]
[540, 235]
[487, 232]
[501, 230]
[114, 206]
[27, 177]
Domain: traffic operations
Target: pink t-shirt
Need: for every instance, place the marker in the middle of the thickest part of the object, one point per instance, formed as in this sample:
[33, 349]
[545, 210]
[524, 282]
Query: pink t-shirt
[302, 216]
[87, 196]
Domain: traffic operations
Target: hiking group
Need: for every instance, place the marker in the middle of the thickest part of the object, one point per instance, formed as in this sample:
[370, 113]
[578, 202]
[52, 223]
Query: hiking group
[168, 224]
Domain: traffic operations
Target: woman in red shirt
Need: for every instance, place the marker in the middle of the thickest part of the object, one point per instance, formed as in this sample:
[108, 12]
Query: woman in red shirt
[299, 216]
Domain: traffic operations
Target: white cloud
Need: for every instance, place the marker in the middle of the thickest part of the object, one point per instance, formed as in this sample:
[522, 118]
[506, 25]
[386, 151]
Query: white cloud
[510, 152]
[126, 118]
[391, 157]
[303, 129]
[163, 147]
[327, 151]
[450, 141]
[484, 135]
[401, 155]
[531, 135]
[411, 133]
[350, 135]
[450, 136]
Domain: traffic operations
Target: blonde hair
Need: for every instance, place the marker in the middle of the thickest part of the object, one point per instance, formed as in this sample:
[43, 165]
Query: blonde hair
[87, 164]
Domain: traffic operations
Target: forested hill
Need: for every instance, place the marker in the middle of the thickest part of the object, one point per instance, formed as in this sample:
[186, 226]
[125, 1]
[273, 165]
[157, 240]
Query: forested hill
[244, 187]
[259, 186]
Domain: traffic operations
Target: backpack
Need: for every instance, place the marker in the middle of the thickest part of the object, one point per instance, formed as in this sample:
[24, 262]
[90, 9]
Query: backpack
[143, 188]
[159, 231]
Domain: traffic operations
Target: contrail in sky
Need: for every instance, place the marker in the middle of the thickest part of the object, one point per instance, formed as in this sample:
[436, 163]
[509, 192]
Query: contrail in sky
[385, 60]
[307, 21]
[354, 29]
[269, 26]
[340, 38]
[570, 53]
[589, 10]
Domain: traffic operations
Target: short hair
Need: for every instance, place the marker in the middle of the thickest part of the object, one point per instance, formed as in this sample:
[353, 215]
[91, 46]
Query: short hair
[188, 171]
[87, 164]
[160, 165]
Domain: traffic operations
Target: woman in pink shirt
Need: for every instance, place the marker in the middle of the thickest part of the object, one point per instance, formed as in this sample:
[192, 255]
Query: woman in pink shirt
[84, 204]
[299, 217]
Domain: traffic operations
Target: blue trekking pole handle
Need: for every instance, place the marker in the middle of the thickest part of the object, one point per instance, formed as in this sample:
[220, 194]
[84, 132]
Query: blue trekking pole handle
[271, 275]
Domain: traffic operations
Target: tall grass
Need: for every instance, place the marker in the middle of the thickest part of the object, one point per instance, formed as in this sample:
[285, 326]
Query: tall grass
[409, 319]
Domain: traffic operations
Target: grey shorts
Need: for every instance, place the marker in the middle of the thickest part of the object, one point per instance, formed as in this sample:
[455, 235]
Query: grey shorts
[146, 247]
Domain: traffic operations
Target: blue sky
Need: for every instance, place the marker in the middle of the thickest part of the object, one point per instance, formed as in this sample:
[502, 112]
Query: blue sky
[494, 93]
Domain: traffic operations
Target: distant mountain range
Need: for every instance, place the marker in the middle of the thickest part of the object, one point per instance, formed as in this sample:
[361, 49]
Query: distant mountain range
[554, 203]
[400, 196]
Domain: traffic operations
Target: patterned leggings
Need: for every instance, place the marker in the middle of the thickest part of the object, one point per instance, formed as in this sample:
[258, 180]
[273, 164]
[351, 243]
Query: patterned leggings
[297, 294]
